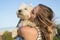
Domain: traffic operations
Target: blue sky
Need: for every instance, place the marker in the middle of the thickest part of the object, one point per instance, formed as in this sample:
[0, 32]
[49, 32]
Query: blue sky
[8, 8]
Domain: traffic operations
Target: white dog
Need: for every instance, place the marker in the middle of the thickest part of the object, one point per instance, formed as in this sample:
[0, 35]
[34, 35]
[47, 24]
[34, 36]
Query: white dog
[24, 14]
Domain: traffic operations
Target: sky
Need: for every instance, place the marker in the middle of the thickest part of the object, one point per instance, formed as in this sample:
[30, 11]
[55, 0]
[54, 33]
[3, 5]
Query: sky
[8, 8]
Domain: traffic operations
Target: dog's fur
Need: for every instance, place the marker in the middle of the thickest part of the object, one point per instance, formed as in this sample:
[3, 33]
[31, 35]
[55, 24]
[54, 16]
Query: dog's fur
[24, 14]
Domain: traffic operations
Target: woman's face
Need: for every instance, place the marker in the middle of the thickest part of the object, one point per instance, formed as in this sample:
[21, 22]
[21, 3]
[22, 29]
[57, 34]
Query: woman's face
[34, 11]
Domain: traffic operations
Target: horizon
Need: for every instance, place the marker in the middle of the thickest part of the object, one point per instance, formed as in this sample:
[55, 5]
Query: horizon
[8, 8]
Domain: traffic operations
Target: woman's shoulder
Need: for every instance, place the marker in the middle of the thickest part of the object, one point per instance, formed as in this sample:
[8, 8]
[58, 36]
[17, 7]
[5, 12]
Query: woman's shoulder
[29, 33]
[28, 29]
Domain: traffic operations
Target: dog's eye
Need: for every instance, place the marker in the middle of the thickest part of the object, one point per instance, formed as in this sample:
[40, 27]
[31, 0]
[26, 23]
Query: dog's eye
[25, 8]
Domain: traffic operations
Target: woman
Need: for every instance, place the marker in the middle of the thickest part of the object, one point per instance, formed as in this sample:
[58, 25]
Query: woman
[42, 16]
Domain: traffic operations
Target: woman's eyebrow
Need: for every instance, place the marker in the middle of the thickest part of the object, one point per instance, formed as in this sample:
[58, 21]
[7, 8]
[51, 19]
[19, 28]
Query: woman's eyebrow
[33, 11]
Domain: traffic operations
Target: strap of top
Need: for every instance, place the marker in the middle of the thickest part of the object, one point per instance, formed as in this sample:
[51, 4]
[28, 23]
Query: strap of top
[39, 34]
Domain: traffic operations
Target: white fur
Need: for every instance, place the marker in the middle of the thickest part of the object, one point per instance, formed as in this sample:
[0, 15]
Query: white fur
[25, 13]
[14, 32]
[27, 23]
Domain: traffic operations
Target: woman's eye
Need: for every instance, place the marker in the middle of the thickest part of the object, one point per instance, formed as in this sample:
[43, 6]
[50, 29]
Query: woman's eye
[25, 8]
[32, 11]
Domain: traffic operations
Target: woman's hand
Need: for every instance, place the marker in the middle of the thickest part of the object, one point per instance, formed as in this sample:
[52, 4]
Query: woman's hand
[28, 33]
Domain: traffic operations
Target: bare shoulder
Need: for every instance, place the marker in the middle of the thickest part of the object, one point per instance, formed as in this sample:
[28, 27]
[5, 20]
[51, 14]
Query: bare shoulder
[29, 33]
[28, 29]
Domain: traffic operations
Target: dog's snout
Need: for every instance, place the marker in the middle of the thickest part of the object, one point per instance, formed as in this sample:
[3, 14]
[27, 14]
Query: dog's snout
[19, 10]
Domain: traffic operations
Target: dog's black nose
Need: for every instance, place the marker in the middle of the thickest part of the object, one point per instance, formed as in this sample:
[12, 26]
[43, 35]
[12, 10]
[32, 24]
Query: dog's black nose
[19, 10]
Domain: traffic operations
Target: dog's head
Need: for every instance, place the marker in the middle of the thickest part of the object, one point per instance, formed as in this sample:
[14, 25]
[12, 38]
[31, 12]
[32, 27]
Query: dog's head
[24, 11]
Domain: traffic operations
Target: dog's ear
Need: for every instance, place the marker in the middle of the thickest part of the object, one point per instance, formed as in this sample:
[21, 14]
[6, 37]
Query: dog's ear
[30, 5]
[23, 5]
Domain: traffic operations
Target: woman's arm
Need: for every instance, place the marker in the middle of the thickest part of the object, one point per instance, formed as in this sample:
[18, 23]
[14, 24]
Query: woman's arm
[28, 33]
